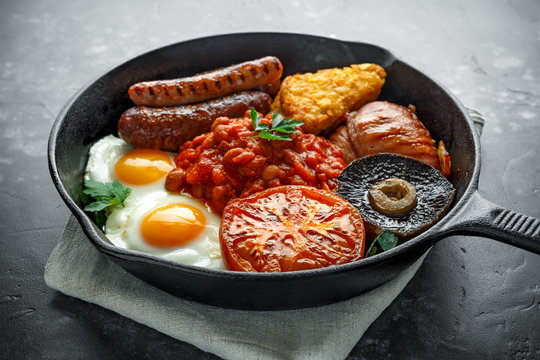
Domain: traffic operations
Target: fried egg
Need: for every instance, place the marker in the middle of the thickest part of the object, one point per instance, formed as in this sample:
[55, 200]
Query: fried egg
[142, 170]
[154, 221]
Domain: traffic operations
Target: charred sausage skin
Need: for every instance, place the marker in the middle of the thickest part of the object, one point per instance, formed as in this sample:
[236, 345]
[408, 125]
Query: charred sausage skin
[169, 127]
[261, 73]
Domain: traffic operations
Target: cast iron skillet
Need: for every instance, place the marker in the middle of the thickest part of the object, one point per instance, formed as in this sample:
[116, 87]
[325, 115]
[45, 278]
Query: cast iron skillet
[94, 111]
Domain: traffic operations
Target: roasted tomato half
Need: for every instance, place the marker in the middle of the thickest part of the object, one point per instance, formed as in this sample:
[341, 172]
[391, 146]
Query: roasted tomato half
[289, 228]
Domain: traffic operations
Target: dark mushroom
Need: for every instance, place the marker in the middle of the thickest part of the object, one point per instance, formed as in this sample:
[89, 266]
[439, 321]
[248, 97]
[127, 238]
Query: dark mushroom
[434, 193]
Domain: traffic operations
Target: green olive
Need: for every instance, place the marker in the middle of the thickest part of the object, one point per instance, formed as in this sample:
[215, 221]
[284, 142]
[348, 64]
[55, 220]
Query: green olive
[393, 197]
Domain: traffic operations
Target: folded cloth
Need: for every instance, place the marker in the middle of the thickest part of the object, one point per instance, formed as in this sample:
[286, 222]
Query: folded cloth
[77, 269]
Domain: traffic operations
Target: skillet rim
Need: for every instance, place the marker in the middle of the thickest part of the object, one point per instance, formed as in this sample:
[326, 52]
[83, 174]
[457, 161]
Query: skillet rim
[96, 236]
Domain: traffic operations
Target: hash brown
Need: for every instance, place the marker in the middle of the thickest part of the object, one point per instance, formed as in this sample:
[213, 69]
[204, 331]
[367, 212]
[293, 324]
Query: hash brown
[320, 99]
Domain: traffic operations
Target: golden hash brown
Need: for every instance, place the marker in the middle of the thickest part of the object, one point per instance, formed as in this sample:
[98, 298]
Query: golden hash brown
[320, 99]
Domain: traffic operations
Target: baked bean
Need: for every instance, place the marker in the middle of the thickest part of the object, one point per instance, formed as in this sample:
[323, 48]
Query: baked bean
[270, 172]
[291, 157]
[175, 179]
[228, 157]
[244, 157]
[304, 173]
[297, 180]
[312, 159]
[218, 176]
[209, 142]
[219, 192]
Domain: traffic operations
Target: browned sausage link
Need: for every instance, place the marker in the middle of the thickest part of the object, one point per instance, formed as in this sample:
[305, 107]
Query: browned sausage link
[169, 127]
[271, 88]
[208, 85]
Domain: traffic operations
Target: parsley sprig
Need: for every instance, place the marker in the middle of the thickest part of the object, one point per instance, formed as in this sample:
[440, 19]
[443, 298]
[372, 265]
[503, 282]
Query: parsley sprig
[281, 126]
[106, 195]
[387, 240]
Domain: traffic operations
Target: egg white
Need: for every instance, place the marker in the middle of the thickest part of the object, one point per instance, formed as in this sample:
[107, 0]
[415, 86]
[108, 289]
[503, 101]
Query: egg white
[102, 159]
[123, 227]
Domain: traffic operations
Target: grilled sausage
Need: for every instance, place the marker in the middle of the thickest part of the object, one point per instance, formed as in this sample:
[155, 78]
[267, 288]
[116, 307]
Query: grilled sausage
[169, 127]
[381, 126]
[271, 88]
[208, 85]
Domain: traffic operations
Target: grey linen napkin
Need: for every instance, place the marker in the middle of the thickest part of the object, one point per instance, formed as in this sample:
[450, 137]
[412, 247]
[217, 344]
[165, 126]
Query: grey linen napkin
[77, 269]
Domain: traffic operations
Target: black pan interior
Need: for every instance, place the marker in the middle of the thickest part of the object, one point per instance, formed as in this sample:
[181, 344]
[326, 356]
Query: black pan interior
[94, 112]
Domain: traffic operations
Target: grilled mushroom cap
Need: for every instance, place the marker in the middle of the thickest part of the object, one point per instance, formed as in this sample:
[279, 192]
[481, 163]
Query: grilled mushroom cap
[434, 193]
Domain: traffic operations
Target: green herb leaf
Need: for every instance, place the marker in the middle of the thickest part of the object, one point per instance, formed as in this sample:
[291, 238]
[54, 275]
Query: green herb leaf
[107, 195]
[286, 129]
[97, 205]
[120, 191]
[265, 134]
[372, 252]
[277, 119]
[98, 189]
[387, 240]
[280, 125]
[255, 118]
[263, 127]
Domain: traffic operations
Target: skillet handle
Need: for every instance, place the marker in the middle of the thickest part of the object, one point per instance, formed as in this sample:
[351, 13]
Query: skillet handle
[484, 218]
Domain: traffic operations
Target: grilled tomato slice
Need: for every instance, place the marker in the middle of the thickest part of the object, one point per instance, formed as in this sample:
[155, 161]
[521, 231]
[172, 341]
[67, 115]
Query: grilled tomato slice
[289, 228]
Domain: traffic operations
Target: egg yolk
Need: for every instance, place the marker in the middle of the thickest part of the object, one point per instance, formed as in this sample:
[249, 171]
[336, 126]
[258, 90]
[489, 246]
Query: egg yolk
[172, 225]
[142, 166]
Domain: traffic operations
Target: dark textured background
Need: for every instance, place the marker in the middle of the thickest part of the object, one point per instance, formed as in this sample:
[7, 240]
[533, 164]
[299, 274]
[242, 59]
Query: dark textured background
[473, 298]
